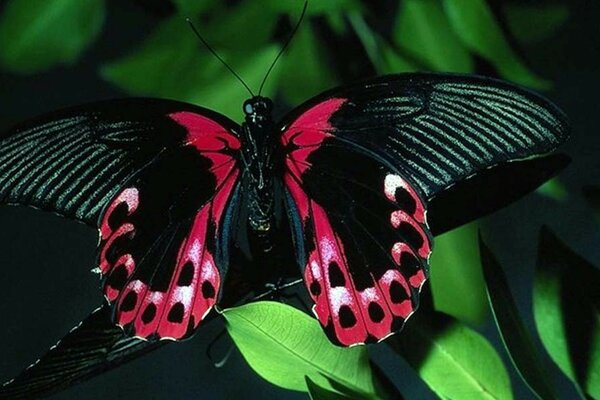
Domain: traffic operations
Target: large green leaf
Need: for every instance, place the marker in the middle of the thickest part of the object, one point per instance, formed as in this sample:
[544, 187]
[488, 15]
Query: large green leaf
[305, 71]
[452, 359]
[534, 22]
[474, 23]
[554, 189]
[392, 62]
[457, 282]
[284, 345]
[171, 63]
[191, 9]
[422, 29]
[247, 26]
[39, 34]
[293, 8]
[516, 339]
[566, 300]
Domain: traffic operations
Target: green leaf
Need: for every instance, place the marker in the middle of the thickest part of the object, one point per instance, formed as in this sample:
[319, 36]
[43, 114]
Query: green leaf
[367, 37]
[474, 23]
[304, 68]
[293, 8]
[517, 340]
[316, 392]
[284, 345]
[393, 62]
[452, 359]
[247, 26]
[457, 282]
[171, 64]
[566, 305]
[422, 29]
[554, 189]
[531, 23]
[191, 8]
[39, 34]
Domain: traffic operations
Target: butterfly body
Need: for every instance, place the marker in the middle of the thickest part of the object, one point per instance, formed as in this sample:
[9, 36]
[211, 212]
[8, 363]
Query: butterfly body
[260, 163]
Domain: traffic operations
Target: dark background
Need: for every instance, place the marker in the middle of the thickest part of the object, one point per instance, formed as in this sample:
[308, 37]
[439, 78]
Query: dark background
[45, 282]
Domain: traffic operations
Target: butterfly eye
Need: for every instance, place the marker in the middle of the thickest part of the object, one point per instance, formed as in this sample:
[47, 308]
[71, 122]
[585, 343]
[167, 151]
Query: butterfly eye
[248, 108]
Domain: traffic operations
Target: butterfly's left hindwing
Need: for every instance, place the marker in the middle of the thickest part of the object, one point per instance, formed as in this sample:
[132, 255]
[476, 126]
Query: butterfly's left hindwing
[159, 179]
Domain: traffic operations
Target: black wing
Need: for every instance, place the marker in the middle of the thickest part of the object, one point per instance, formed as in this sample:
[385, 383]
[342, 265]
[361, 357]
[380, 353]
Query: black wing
[363, 163]
[94, 346]
[73, 162]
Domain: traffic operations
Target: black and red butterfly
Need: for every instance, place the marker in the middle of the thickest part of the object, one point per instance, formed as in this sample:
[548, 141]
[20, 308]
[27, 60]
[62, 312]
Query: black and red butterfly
[342, 187]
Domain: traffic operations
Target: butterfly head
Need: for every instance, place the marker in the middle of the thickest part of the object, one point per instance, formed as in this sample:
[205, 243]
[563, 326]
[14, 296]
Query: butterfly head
[258, 109]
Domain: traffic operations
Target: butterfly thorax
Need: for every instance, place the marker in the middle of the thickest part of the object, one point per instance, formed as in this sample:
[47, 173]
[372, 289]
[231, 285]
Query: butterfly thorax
[258, 148]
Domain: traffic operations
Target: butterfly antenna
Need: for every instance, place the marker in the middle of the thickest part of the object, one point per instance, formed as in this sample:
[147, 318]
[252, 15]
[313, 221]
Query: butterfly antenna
[284, 46]
[189, 21]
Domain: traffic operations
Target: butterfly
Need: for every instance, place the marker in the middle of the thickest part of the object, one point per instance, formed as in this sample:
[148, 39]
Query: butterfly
[340, 188]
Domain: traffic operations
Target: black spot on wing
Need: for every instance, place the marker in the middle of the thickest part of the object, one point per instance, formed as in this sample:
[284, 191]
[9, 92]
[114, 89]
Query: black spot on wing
[176, 313]
[347, 317]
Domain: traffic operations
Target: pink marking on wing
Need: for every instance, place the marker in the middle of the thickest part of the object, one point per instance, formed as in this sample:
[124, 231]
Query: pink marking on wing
[379, 320]
[417, 279]
[400, 248]
[315, 121]
[399, 217]
[194, 252]
[204, 133]
[392, 183]
[124, 229]
[347, 316]
[309, 131]
[126, 315]
[300, 198]
[189, 297]
[129, 196]
[403, 308]
[127, 261]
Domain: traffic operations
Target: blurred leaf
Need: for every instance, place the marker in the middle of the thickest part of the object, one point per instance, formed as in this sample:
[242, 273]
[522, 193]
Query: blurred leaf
[530, 23]
[457, 282]
[554, 189]
[393, 63]
[172, 64]
[566, 300]
[517, 340]
[475, 24]
[192, 8]
[423, 30]
[39, 34]
[367, 37]
[293, 8]
[247, 27]
[453, 360]
[284, 345]
[304, 69]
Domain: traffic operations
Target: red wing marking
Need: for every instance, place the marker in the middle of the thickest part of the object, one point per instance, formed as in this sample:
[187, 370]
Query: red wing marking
[308, 132]
[357, 316]
[196, 279]
[194, 285]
